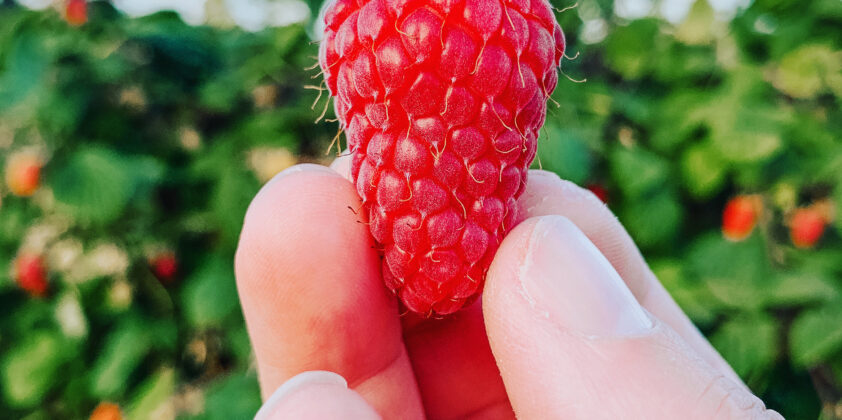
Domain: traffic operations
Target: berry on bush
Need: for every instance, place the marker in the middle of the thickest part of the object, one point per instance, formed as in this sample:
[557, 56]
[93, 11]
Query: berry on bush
[106, 411]
[806, 226]
[164, 266]
[599, 191]
[76, 12]
[31, 274]
[23, 173]
[441, 103]
[740, 216]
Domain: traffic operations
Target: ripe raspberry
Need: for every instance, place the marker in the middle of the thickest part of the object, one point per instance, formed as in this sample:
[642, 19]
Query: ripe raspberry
[23, 173]
[76, 12]
[106, 411]
[599, 191]
[740, 216]
[164, 266]
[806, 227]
[31, 274]
[441, 102]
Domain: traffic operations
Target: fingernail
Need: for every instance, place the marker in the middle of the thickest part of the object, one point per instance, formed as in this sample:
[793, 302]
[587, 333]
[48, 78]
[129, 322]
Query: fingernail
[568, 279]
[297, 382]
[303, 167]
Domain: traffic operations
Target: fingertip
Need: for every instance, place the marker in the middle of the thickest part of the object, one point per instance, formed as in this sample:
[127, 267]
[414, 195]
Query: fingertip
[316, 395]
[342, 165]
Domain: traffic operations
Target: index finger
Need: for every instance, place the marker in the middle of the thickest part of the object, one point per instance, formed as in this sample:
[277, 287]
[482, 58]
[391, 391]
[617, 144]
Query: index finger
[309, 282]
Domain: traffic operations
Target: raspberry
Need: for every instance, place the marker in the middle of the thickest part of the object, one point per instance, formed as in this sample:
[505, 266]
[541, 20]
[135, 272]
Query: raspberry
[441, 102]
[740, 216]
[806, 226]
[31, 274]
[106, 411]
[164, 266]
[76, 12]
[23, 173]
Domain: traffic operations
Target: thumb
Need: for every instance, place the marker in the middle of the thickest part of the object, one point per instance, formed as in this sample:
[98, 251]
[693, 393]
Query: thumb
[571, 341]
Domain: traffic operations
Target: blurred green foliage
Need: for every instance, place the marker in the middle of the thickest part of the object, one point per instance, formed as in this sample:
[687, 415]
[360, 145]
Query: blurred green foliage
[156, 135]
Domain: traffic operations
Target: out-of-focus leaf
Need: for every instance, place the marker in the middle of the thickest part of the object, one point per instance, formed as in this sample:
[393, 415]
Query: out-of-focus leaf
[25, 67]
[124, 349]
[750, 345]
[737, 274]
[697, 27]
[816, 335]
[210, 294]
[653, 220]
[234, 191]
[93, 185]
[809, 70]
[638, 171]
[234, 397]
[31, 368]
[153, 395]
[629, 50]
[566, 154]
[801, 287]
[703, 170]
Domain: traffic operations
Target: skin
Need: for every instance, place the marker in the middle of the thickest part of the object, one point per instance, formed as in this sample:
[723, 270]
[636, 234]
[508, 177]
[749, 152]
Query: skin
[309, 282]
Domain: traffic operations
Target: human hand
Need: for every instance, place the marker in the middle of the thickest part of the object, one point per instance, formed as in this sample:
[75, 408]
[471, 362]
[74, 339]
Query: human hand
[572, 322]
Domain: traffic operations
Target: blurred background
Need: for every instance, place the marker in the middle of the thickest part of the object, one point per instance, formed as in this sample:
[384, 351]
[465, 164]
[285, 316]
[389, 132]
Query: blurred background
[134, 133]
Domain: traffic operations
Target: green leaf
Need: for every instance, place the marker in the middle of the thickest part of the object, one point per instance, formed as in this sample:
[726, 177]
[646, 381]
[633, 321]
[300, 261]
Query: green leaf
[124, 349]
[93, 185]
[809, 70]
[737, 274]
[234, 397]
[156, 391]
[629, 49]
[750, 345]
[703, 170]
[25, 68]
[210, 294]
[815, 334]
[653, 220]
[565, 153]
[697, 27]
[638, 171]
[801, 287]
[31, 368]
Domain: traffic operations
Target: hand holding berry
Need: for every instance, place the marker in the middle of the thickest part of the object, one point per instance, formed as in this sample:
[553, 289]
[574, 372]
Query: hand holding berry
[572, 323]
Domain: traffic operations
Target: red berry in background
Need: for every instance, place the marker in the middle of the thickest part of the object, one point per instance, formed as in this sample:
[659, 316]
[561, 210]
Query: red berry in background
[31, 274]
[740, 216]
[23, 173]
[599, 191]
[806, 226]
[165, 267]
[76, 12]
[106, 411]
[441, 102]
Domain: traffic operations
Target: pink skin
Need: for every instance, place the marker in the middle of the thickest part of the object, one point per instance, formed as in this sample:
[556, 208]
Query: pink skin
[572, 323]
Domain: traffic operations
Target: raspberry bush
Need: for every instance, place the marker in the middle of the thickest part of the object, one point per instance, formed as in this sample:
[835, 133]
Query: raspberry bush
[149, 137]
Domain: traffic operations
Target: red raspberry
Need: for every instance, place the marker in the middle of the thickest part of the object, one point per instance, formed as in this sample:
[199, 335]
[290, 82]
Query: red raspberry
[599, 191]
[76, 12]
[806, 226]
[31, 274]
[441, 102]
[164, 266]
[23, 173]
[740, 216]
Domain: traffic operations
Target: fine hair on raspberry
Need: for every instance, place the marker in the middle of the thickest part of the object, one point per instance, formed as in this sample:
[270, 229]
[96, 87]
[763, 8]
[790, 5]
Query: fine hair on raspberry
[441, 102]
